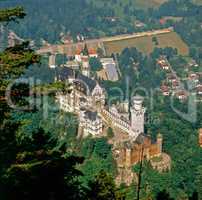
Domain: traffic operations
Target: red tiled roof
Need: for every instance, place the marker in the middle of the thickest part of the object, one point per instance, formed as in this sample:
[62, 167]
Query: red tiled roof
[164, 88]
[92, 51]
[78, 51]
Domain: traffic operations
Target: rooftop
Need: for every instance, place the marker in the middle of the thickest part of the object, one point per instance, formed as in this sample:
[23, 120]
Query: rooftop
[91, 115]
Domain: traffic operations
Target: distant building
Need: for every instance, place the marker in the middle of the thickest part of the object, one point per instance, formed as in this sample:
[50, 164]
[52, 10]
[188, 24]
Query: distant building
[142, 149]
[194, 77]
[64, 74]
[13, 39]
[131, 153]
[139, 24]
[175, 84]
[192, 63]
[181, 95]
[92, 53]
[163, 63]
[85, 66]
[67, 39]
[78, 55]
[110, 68]
[199, 89]
[52, 63]
[171, 78]
[72, 64]
[165, 90]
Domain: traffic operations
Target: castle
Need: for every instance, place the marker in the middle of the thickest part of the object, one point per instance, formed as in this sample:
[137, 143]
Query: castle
[88, 95]
[87, 98]
[131, 153]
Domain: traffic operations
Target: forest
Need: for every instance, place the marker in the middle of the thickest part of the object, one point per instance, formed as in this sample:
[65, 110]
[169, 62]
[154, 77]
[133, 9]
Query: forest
[65, 17]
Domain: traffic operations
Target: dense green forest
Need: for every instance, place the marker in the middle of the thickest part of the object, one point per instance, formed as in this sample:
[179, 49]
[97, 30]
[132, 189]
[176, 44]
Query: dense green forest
[48, 19]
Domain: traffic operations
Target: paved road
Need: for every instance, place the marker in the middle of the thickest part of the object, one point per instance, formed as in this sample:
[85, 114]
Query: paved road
[71, 48]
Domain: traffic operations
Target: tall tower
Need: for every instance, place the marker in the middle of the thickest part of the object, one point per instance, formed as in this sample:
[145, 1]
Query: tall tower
[137, 116]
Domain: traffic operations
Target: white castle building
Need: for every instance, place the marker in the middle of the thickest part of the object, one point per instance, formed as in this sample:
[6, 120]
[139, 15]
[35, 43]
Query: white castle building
[91, 123]
[87, 99]
[137, 116]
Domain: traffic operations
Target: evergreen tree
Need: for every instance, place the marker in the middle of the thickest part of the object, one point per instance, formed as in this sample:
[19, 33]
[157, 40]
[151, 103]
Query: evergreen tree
[198, 182]
[85, 50]
[43, 175]
[163, 195]
[29, 170]
[102, 188]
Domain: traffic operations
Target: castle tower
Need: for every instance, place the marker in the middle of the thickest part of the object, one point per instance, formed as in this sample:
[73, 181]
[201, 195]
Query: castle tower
[160, 143]
[137, 116]
[200, 137]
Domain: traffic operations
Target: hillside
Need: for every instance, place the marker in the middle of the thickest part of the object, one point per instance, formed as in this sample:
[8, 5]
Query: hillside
[49, 18]
[139, 4]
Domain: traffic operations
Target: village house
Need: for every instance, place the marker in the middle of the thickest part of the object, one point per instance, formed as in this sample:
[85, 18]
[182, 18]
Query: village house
[175, 84]
[67, 39]
[193, 77]
[73, 64]
[51, 62]
[165, 90]
[192, 63]
[139, 24]
[92, 53]
[163, 63]
[181, 95]
[85, 66]
[171, 78]
[78, 55]
[199, 89]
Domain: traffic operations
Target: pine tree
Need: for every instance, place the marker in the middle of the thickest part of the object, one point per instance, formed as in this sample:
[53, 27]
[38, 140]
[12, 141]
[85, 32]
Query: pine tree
[102, 188]
[198, 182]
[85, 50]
[163, 195]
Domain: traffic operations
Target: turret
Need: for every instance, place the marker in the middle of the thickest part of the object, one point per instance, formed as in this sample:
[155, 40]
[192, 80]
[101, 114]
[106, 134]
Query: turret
[137, 115]
[126, 106]
[137, 103]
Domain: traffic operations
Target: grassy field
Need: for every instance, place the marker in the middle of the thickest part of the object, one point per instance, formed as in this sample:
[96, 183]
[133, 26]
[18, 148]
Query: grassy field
[145, 44]
[198, 2]
[145, 4]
